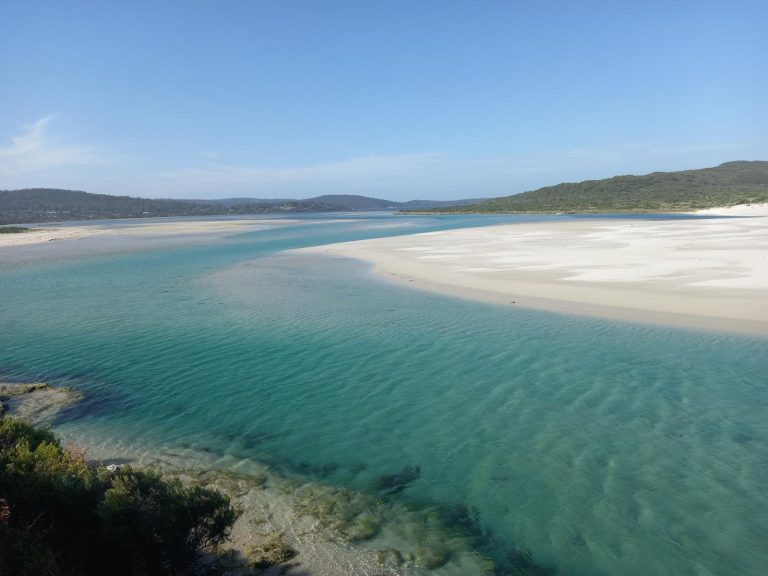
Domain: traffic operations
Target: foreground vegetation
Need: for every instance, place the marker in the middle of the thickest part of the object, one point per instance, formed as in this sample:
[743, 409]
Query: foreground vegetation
[725, 185]
[12, 229]
[60, 515]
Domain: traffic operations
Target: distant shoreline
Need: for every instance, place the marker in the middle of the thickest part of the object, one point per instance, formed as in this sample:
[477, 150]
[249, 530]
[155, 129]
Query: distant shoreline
[39, 233]
[138, 229]
[704, 274]
[459, 212]
[733, 210]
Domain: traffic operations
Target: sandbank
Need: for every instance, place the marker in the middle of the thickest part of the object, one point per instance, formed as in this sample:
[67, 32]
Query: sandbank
[699, 273]
[137, 228]
[40, 235]
[753, 210]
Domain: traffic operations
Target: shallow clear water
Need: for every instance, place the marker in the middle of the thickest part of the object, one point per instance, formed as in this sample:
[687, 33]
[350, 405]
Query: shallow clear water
[600, 447]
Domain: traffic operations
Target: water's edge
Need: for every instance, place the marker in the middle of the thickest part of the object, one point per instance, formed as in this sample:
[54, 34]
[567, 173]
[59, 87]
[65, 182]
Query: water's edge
[332, 529]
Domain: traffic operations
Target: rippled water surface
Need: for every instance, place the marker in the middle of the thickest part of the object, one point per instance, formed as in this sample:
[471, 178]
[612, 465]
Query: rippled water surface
[599, 447]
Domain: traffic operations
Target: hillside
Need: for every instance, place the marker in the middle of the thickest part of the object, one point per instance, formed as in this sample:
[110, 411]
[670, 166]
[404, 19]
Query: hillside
[346, 202]
[51, 204]
[725, 185]
[351, 202]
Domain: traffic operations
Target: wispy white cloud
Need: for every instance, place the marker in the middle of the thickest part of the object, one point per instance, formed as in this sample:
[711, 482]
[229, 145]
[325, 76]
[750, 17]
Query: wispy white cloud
[434, 174]
[370, 174]
[371, 168]
[35, 158]
[32, 152]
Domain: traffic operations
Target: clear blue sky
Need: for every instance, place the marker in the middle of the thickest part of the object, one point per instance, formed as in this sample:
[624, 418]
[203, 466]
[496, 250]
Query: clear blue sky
[412, 99]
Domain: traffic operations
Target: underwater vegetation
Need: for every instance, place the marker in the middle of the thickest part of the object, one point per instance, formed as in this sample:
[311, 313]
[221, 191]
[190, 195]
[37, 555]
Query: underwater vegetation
[273, 551]
[406, 535]
[521, 562]
[396, 483]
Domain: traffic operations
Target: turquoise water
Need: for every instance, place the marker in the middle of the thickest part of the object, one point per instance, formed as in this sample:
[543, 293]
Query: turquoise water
[600, 447]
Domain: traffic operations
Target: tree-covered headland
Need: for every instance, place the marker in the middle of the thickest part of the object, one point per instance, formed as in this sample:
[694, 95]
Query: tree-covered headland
[725, 185]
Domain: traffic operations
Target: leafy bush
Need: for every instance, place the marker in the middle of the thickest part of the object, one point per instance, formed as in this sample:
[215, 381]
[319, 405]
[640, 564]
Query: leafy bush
[60, 515]
[158, 523]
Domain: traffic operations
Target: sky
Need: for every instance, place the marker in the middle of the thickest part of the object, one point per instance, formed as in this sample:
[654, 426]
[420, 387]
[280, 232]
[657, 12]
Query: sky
[395, 99]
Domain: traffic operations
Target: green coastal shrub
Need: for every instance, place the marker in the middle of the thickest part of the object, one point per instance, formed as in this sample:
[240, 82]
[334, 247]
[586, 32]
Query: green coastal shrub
[60, 515]
[159, 523]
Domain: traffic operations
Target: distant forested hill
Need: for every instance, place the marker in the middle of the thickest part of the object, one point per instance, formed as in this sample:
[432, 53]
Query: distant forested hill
[51, 204]
[43, 204]
[725, 185]
[351, 202]
[347, 202]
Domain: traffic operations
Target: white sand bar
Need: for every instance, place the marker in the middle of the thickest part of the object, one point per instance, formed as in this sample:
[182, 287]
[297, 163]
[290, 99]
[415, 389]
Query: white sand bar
[136, 228]
[708, 273]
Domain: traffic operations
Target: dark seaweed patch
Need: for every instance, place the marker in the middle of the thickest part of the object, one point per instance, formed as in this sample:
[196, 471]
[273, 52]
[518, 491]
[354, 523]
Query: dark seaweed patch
[464, 519]
[396, 483]
[521, 563]
[104, 403]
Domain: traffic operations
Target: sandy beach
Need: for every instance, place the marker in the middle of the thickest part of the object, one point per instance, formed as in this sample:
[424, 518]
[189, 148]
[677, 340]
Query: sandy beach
[40, 235]
[703, 273]
[137, 228]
